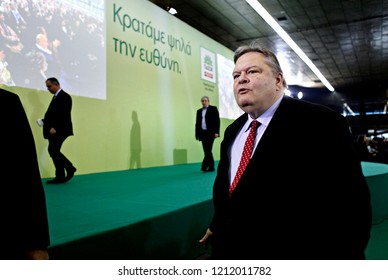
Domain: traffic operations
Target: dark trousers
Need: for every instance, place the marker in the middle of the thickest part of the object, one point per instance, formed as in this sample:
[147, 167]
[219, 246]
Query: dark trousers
[61, 163]
[207, 145]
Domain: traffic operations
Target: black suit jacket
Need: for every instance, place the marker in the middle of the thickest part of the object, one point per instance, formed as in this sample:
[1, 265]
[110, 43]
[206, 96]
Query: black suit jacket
[212, 120]
[24, 222]
[302, 196]
[58, 116]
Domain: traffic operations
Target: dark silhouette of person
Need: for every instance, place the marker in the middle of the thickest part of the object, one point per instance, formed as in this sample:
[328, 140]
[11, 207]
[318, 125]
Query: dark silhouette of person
[24, 225]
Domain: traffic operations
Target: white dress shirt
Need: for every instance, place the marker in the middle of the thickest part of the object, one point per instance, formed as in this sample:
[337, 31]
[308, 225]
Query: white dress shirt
[236, 149]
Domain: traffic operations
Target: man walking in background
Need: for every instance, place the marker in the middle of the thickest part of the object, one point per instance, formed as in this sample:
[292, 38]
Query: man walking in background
[207, 128]
[57, 126]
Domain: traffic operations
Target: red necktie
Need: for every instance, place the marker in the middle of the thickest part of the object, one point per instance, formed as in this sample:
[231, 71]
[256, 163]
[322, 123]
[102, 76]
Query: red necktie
[246, 155]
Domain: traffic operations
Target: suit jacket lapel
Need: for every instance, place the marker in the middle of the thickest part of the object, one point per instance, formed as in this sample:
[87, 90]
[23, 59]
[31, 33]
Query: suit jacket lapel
[274, 129]
[235, 128]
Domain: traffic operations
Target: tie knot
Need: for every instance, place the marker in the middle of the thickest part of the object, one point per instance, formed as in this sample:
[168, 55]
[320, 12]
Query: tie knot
[254, 124]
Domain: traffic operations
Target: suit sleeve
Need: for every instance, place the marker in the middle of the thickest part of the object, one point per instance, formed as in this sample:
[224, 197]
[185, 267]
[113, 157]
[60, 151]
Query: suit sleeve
[198, 125]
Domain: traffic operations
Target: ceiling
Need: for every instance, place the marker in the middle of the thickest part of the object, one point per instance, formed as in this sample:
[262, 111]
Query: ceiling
[346, 39]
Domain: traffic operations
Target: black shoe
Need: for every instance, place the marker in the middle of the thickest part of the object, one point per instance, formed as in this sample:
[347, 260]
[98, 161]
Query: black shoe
[70, 173]
[56, 181]
[211, 169]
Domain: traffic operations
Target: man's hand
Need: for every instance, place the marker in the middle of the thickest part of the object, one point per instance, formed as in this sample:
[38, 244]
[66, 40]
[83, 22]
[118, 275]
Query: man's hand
[38, 255]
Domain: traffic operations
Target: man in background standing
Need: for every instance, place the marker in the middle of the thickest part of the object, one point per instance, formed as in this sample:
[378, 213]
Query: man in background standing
[207, 128]
[57, 126]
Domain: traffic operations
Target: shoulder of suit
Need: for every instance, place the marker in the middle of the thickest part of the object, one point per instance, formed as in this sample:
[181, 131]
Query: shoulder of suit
[307, 108]
[64, 93]
[9, 94]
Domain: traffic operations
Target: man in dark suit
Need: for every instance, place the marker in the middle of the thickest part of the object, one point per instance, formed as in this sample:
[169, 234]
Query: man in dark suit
[24, 226]
[207, 128]
[57, 126]
[303, 194]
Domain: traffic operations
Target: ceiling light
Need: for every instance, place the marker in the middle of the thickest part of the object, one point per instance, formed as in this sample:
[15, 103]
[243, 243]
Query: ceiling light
[284, 35]
[171, 10]
[346, 106]
[287, 92]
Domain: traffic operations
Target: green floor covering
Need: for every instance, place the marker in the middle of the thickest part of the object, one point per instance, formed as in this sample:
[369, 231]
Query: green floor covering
[94, 203]
[156, 213]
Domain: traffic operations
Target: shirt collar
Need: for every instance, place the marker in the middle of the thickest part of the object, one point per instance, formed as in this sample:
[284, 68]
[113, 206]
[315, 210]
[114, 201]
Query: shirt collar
[266, 117]
[56, 94]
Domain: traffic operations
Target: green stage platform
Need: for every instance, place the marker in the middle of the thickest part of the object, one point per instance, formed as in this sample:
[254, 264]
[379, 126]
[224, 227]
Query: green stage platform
[158, 213]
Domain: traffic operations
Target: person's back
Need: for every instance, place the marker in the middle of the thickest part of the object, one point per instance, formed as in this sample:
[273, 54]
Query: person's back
[22, 203]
